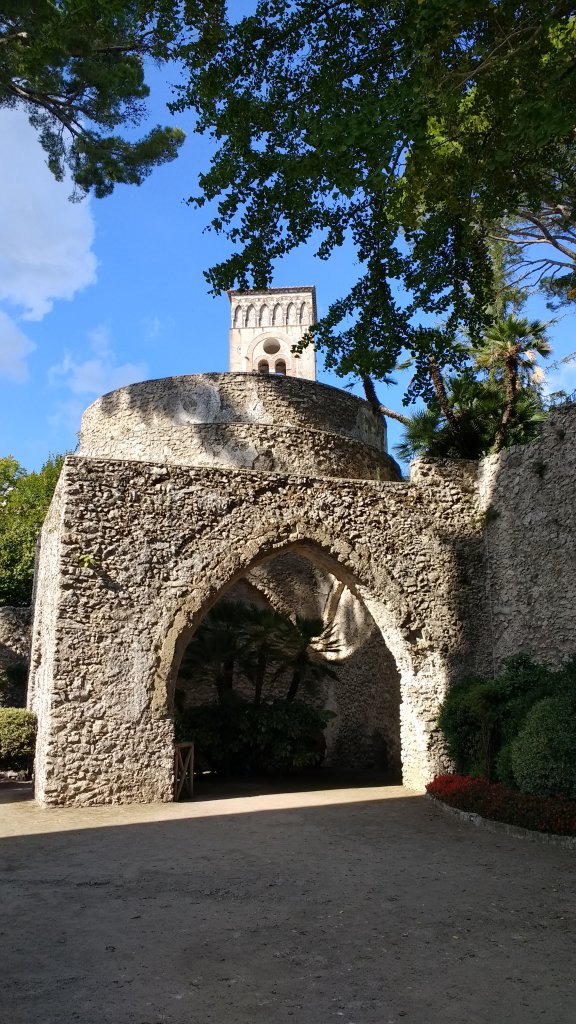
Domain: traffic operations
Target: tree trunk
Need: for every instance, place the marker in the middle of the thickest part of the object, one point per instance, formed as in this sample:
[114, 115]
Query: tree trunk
[440, 391]
[511, 374]
[225, 683]
[293, 688]
[261, 666]
[377, 408]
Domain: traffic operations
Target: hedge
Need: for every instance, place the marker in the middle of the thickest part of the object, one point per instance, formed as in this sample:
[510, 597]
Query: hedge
[17, 739]
[543, 756]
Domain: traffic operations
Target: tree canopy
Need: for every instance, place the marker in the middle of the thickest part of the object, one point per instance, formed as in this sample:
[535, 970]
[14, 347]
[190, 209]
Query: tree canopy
[79, 69]
[420, 131]
[24, 501]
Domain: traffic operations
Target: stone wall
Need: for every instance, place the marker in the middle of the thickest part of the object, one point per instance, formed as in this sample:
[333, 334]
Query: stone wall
[235, 420]
[133, 554]
[528, 502]
[444, 575]
[15, 629]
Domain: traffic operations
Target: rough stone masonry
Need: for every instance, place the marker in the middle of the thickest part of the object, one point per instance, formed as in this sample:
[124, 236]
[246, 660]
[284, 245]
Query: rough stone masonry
[183, 487]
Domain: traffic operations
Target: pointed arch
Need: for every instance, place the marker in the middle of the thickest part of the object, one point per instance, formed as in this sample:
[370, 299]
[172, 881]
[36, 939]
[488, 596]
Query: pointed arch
[237, 322]
[277, 317]
[291, 317]
[264, 317]
[250, 317]
[382, 596]
[304, 313]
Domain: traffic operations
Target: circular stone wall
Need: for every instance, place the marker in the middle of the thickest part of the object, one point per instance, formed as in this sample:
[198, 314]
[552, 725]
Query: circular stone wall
[237, 420]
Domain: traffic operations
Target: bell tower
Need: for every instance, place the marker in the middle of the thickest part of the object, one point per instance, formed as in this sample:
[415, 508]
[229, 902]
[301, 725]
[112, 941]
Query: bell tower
[264, 326]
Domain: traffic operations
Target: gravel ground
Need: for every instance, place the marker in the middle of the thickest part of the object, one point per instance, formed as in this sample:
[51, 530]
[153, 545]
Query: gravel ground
[363, 905]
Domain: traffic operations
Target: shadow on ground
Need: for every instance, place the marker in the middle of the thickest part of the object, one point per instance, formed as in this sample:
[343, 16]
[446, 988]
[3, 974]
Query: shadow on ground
[360, 906]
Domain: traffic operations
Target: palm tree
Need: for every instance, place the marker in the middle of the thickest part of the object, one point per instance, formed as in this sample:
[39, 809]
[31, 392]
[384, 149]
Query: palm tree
[508, 352]
[217, 647]
[235, 637]
[264, 630]
[479, 406]
[306, 641]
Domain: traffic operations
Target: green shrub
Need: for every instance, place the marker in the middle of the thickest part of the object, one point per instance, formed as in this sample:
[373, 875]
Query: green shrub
[243, 738]
[13, 683]
[480, 718]
[17, 739]
[503, 769]
[470, 721]
[543, 755]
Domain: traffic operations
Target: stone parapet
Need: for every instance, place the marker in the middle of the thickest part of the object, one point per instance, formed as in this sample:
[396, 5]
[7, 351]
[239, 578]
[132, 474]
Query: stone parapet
[250, 421]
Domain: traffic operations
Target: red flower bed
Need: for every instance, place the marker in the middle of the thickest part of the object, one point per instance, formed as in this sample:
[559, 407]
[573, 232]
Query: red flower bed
[493, 800]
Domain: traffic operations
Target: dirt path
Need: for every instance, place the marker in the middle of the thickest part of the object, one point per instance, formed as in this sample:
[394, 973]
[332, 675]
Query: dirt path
[357, 906]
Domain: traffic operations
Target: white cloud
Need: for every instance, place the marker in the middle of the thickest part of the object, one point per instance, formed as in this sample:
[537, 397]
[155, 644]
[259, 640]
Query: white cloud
[98, 373]
[153, 327]
[14, 348]
[67, 415]
[45, 240]
[563, 378]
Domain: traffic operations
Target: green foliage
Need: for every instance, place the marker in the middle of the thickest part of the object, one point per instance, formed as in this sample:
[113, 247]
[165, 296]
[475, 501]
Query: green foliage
[17, 739]
[479, 407]
[238, 640]
[242, 738]
[13, 685]
[470, 720]
[418, 132]
[543, 756]
[23, 506]
[481, 718]
[79, 70]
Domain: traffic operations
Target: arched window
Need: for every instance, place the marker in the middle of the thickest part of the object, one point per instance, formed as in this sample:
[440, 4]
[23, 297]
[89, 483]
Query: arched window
[264, 316]
[238, 316]
[291, 314]
[280, 367]
[250, 317]
[277, 315]
[304, 314]
[263, 366]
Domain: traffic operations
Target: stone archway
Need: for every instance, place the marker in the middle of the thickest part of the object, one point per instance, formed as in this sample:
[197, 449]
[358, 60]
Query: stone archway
[402, 727]
[364, 693]
[161, 510]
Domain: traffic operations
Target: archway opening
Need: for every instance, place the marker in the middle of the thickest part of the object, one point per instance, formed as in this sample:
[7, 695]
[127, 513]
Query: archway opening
[361, 689]
[263, 366]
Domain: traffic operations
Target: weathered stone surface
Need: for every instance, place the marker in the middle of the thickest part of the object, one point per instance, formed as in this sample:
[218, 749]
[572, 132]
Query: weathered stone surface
[143, 550]
[529, 507]
[425, 580]
[15, 624]
[237, 420]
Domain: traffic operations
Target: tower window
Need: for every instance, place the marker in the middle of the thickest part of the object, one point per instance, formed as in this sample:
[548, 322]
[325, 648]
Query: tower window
[263, 366]
[281, 367]
[271, 346]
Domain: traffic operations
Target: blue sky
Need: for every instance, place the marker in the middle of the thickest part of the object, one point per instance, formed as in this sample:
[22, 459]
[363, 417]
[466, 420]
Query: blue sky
[98, 294]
